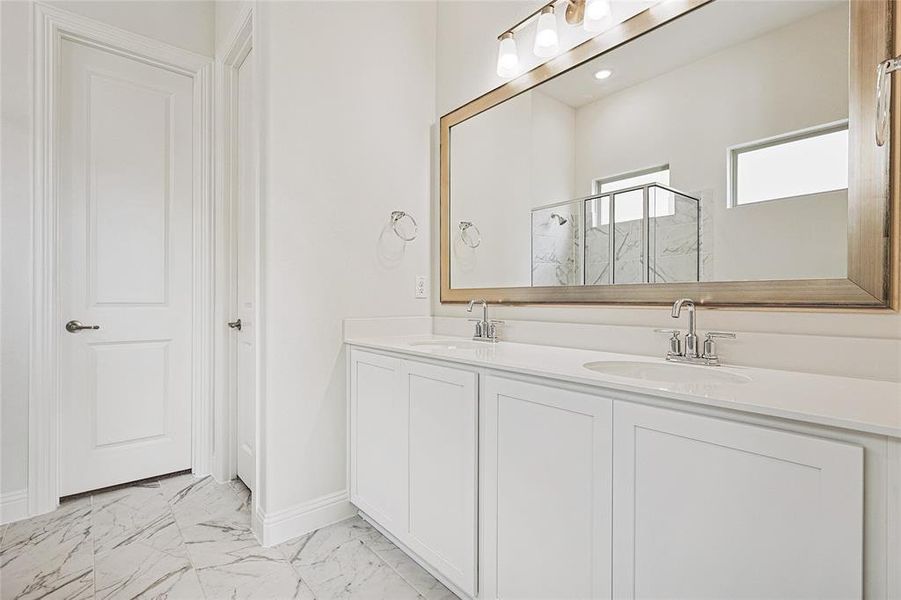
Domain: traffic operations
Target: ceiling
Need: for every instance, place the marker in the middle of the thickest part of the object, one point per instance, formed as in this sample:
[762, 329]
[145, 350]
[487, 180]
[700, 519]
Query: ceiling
[703, 32]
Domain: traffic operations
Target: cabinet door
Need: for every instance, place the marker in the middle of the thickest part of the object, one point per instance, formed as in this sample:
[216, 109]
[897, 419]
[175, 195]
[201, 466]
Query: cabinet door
[545, 492]
[443, 471]
[378, 434]
[708, 508]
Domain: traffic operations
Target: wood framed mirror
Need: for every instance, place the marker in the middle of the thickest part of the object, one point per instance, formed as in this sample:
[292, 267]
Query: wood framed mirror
[729, 156]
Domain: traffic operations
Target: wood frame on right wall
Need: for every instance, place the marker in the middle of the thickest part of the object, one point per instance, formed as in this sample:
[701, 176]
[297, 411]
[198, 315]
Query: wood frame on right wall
[874, 256]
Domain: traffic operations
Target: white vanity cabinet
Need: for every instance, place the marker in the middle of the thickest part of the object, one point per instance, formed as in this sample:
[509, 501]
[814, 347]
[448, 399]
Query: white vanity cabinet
[710, 508]
[413, 430]
[379, 418]
[545, 492]
[580, 492]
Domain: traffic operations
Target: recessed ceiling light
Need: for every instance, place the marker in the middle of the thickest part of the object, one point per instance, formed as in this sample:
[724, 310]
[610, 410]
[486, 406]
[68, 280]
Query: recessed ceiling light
[603, 74]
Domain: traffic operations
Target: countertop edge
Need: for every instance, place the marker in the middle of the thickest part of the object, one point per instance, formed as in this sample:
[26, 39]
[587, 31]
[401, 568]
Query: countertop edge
[395, 345]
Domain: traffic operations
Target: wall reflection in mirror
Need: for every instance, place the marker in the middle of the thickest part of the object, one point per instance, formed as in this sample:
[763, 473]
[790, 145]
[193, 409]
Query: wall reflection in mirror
[714, 148]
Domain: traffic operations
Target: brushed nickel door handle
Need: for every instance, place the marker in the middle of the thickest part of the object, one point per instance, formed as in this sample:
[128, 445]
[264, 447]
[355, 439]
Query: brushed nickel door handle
[76, 326]
[235, 324]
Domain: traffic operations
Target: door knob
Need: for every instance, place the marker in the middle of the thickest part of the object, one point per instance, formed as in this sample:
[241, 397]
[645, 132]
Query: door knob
[235, 324]
[76, 326]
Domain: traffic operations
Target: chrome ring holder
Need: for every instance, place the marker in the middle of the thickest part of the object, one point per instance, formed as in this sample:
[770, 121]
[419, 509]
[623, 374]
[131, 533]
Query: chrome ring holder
[396, 217]
[470, 234]
[884, 96]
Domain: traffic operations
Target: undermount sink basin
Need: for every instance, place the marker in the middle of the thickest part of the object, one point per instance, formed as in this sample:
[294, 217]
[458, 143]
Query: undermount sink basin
[448, 345]
[666, 372]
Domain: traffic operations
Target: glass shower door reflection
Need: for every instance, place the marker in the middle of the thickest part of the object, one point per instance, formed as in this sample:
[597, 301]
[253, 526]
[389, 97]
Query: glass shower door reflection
[673, 237]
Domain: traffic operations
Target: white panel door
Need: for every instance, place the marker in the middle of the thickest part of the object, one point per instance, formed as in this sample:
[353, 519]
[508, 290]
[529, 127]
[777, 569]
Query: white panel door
[245, 276]
[707, 508]
[378, 431]
[125, 191]
[443, 469]
[545, 496]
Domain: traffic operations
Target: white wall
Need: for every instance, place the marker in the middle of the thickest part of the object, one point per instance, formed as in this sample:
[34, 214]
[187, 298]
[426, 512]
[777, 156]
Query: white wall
[466, 57]
[688, 117]
[227, 15]
[529, 143]
[349, 100]
[15, 235]
[186, 24]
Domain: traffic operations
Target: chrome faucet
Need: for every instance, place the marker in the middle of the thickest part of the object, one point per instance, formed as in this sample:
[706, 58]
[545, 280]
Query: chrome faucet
[691, 338]
[486, 329]
[689, 351]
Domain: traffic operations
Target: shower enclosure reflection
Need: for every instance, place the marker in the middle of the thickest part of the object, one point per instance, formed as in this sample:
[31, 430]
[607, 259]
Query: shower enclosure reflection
[656, 238]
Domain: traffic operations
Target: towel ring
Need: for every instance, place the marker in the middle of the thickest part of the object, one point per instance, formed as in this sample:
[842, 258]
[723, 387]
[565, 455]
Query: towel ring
[884, 96]
[396, 217]
[470, 234]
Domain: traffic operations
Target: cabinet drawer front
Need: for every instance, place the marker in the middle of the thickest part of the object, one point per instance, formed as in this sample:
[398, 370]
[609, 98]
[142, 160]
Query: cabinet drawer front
[443, 470]
[708, 508]
[545, 493]
[378, 430]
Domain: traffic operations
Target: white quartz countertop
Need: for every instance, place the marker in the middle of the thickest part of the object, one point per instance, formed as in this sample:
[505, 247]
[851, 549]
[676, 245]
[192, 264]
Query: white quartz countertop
[865, 405]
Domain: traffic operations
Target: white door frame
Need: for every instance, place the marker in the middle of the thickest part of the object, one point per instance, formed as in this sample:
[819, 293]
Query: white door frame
[51, 26]
[238, 44]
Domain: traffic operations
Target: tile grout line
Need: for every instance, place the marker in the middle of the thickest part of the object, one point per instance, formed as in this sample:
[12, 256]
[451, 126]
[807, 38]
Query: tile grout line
[184, 542]
[93, 549]
[295, 570]
[390, 566]
[93, 552]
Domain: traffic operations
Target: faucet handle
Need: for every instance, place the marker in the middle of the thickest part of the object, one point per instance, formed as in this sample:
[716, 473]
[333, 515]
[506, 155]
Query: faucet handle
[721, 334]
[675, 344]
[710, 344]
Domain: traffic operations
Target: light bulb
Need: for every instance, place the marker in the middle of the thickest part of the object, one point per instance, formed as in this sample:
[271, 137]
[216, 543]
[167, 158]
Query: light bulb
[546, 41]
[598, 15]
[603, 74]
[507, 57]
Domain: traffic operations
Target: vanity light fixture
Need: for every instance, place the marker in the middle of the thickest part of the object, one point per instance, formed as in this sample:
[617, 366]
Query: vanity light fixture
[507, 56]
[603, 74]
[592, 15]
[547, 42]
[598, 15]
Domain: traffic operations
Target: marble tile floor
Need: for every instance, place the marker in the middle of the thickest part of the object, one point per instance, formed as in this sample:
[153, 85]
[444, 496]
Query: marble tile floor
[187, 538]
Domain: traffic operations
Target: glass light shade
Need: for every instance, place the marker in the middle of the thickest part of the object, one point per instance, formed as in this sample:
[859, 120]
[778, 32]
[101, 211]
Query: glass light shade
[507, 57]
[547, 42]
[598, 15]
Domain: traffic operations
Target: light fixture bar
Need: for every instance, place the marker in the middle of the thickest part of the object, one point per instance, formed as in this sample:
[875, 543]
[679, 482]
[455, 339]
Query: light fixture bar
[529, 17]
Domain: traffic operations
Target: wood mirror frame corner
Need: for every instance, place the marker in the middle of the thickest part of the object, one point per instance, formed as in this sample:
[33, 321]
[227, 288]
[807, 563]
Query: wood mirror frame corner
[873, 203]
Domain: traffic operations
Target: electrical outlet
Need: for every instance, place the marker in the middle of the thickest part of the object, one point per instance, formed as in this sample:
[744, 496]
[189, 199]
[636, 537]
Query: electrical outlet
[422, 286]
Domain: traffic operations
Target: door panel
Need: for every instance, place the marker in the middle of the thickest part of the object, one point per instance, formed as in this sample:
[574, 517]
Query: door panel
[128, 191]
[707, 508]
[125, 189]
[117, 367]
[443, 431]
[545, 492]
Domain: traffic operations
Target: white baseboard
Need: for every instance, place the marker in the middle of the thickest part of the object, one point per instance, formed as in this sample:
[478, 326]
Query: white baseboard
[289, 523]
[13, 506]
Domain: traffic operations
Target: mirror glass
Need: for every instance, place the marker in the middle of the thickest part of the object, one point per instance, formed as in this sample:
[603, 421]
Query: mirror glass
[713, 148]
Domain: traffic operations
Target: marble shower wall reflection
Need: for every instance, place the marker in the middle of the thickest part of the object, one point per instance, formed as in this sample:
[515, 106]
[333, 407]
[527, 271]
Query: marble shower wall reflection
[675, 240]
[557, 245]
